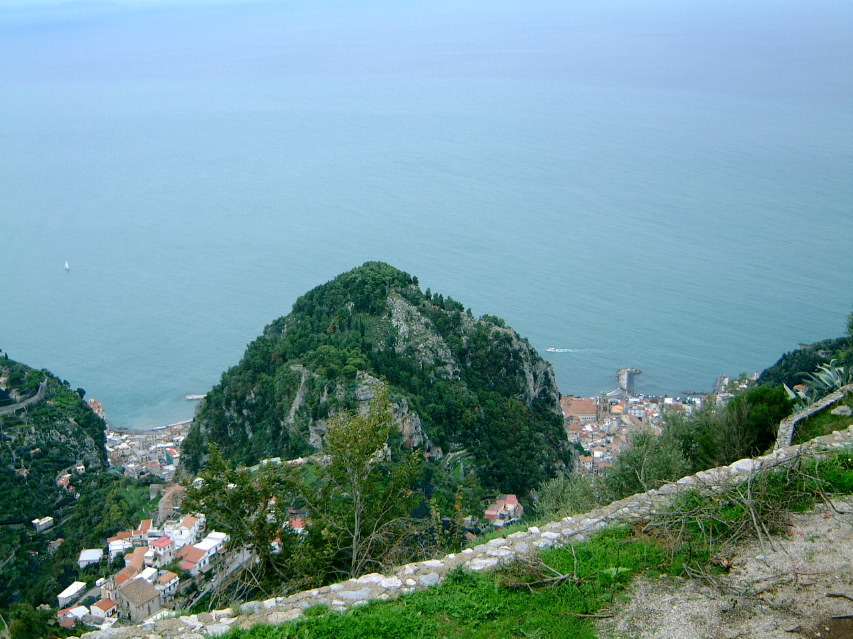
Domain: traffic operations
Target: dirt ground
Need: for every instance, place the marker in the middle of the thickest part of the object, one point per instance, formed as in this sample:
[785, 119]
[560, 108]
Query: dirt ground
[799, 585]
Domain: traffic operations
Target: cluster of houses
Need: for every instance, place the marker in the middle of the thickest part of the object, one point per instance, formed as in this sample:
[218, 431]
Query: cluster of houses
[151, 452]
[603, 425]
[162, 558]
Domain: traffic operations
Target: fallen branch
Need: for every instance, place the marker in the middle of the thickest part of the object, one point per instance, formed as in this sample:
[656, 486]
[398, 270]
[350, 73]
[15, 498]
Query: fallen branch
[840, 595]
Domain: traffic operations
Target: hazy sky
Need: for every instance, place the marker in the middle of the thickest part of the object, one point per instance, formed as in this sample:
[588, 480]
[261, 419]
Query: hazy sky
[801, 50]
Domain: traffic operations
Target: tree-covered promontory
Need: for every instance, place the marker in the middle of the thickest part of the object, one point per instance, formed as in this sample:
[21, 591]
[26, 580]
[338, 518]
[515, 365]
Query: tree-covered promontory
[455, 381]
[795, 367]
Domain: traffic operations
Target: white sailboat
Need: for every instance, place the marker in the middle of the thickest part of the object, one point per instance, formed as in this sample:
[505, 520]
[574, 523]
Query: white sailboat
[67, 266]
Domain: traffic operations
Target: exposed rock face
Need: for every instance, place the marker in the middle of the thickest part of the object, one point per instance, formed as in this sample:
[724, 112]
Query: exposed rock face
[539, 380]
[408, 422]
[417, 338]
[453, 380]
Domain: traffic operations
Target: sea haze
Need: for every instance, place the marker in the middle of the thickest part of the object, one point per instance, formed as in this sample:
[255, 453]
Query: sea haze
[658, 185]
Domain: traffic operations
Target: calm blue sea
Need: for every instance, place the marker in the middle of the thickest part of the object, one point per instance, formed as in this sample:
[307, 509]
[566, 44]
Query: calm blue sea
[667, 186]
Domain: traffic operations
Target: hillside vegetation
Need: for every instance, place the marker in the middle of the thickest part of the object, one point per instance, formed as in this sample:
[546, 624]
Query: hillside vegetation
[47, 431]
[456, 382]
[562, 591]
[796, 366]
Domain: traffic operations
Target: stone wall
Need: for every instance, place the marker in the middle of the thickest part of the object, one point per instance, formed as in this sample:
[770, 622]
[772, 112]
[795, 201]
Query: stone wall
[788, 426]
[420, 575]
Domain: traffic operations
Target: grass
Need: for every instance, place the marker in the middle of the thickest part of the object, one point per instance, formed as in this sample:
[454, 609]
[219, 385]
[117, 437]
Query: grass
[703, 528]
[139, 501]
[507, 603]
[822, 423]
[555, 593]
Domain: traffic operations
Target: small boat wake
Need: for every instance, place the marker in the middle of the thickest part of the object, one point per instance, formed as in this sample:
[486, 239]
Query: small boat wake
[551, 349]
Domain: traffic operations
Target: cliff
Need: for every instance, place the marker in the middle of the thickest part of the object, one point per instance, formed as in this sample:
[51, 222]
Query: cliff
[456, 381]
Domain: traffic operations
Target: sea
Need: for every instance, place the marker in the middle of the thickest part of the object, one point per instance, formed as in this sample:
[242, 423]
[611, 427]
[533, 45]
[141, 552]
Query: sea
[660, 185]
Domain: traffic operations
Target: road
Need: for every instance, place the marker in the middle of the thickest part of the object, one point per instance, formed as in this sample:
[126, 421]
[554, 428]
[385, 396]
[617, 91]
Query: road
[6, 410]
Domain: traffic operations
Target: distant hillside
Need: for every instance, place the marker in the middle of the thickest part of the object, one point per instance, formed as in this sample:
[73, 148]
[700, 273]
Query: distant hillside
[46, 430]
[792, 368]
[456, 381]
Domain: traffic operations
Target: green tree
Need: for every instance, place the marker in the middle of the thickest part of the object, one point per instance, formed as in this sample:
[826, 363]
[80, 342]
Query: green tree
[252, 509]
[28, 623]
[566, 495]
[649, 462]
[358, 496]
[361, 507]
[744, 427]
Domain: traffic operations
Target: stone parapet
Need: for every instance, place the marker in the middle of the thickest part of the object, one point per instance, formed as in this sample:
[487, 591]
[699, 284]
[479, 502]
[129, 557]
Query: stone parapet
[788, 426]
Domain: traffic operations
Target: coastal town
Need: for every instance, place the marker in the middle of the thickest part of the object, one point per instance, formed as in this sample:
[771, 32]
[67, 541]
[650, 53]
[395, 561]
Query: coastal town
[169, 559]
[602, 426]
[172, 559]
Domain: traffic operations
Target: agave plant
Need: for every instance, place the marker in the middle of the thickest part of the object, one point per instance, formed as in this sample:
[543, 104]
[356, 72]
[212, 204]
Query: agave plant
[826, 379]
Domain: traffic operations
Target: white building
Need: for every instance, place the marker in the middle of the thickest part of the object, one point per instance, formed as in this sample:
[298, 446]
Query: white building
[187, 531]
[70, 594]
[104, 608]
[213, 543]
[43, 524]
[119, 547]
[89, 557]
[148, 574]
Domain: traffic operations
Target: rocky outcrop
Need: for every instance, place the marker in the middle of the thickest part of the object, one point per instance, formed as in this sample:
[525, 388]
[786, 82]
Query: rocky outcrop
[417, 337]
[540, 383]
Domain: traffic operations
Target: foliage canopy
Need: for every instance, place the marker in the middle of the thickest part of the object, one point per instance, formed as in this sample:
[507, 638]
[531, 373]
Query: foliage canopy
[465, 383]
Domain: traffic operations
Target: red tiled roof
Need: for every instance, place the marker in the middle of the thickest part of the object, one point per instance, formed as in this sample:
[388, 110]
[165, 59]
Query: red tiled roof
[104, 604]
[191, 553]
[577, 406]
[162, 542]
[137, 558]
[166, 577]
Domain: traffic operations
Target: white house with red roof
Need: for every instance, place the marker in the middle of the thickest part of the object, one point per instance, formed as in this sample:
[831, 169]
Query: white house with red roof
[104, 608]
[162, 551]
[187, 531]
[167, 585]
[193, 560]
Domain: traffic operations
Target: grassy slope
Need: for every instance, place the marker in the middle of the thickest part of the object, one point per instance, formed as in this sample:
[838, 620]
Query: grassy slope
[488, 605]
[822, 423]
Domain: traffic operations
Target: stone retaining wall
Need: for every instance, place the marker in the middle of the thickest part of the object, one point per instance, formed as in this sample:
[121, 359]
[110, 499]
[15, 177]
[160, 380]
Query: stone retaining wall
[788, 426]
[420, 575]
